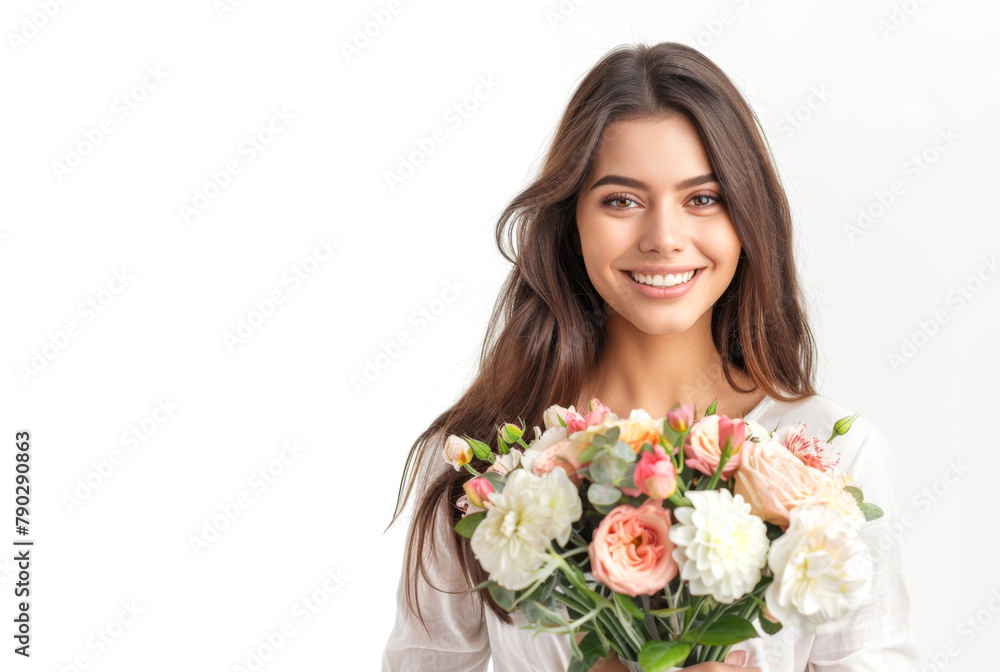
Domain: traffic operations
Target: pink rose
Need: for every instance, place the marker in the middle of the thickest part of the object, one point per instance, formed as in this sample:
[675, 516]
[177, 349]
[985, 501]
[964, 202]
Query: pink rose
[631, 552]
[655, 474]
[575, 422]
[704, 444]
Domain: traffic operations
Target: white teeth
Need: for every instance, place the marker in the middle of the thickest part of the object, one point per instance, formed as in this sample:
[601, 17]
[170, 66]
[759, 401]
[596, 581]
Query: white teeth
[662, 280]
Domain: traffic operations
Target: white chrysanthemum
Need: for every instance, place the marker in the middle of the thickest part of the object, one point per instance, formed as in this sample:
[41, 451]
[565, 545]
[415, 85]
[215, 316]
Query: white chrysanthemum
[822, 570]
[720, 547]
[511, 541]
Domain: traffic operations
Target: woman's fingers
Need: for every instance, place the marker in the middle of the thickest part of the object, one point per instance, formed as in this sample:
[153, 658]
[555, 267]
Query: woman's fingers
[738, 658]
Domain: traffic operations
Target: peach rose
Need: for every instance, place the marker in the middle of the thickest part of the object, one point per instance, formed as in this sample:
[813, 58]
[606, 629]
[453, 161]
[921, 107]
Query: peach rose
[631, 552]
[565, 454]
[703, 449]
[774, 481]
[635, 430]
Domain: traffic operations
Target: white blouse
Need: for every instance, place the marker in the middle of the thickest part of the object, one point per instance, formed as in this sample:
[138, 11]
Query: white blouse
[877, 639]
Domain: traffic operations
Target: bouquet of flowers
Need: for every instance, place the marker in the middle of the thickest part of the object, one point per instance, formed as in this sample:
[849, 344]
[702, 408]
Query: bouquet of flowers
[664, 539]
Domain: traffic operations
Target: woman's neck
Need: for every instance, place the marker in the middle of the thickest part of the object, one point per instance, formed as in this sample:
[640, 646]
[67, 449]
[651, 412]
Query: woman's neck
[656, 371]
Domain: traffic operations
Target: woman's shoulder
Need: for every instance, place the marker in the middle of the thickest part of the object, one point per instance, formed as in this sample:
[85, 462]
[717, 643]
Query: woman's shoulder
[820, 414]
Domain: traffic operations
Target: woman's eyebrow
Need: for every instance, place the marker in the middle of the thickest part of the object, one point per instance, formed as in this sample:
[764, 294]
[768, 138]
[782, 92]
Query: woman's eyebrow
[639, 184]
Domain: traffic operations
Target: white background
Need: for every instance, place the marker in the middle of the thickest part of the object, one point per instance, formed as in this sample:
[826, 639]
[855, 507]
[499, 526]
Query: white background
[886, 97]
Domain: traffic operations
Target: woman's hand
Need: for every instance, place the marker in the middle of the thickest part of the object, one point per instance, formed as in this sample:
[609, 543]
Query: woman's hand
[735, 660]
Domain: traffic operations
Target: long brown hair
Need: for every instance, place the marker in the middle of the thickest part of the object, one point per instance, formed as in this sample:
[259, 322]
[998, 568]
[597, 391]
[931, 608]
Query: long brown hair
[547, 329]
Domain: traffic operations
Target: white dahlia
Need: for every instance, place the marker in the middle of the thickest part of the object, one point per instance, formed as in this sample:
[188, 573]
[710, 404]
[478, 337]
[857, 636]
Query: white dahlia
[822, 570]
[720, 546]
[511, 541]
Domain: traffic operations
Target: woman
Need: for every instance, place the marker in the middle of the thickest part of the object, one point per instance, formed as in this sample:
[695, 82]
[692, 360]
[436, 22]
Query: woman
[653, 265]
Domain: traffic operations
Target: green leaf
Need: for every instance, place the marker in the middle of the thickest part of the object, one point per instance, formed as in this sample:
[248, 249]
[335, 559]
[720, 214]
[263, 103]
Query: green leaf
[618, 469]
[727, 629]
[770, 627]
[667, 612]
[711, 409]
[629, 605]
[611, 436]
[871, 511]
[623, 451]
[588, 453]
[628, 480]
[603, 495]
[598, 440]
[600, 469]
[504, 448]
[856, 492]
[658, 656]
[467, 525]
[502, 596]
[480, 449]
[495, 479]
[561, 421]
[593, 647]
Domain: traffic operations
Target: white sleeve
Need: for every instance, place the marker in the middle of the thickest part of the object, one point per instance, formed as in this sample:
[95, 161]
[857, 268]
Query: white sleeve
[456, 638]
[878, 638]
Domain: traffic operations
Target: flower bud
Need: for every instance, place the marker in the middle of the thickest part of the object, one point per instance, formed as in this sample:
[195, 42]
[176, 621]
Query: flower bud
[510, 433]
[679, 419]
[477, 491]
[457, 452]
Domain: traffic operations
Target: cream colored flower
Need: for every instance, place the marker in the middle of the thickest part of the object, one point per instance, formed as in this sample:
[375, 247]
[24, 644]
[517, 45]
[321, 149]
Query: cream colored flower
[511, 541]
[822, 571]
[756, 432]
[457, 452]
[720, 546]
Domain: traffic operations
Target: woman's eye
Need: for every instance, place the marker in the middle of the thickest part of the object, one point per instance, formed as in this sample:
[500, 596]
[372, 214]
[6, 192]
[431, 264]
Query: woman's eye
[701, 200]
[618, 201]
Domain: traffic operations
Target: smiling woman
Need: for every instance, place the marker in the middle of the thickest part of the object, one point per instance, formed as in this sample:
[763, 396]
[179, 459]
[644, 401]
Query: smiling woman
[652, 265]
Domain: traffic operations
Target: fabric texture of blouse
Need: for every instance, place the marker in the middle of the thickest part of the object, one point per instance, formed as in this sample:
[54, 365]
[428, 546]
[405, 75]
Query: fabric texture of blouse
[462, 635]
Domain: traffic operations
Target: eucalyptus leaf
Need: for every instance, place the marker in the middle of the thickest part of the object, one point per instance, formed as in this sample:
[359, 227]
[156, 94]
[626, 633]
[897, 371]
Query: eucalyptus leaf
[598, 440]
[623, 451]
[871, 511]
[856, 493]
[612, 435]
[618, 469]
[600, 469]
[603, 495]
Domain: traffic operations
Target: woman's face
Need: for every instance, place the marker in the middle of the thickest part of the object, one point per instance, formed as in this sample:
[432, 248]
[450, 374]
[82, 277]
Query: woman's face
[651, 206]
